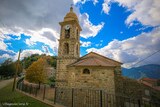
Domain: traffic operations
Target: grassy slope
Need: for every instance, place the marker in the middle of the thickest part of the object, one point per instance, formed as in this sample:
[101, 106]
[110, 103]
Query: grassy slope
[7, 96]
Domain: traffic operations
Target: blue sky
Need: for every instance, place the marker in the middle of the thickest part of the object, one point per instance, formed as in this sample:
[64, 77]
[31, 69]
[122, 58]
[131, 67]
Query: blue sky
[126, 31]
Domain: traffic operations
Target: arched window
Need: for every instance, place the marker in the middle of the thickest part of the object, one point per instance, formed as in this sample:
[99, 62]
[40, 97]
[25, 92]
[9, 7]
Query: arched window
[86, 71]
[66, 48]
[77, 33]
[77, 49]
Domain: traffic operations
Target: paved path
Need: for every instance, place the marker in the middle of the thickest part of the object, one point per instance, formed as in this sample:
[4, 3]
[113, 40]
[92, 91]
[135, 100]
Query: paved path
[4, 83]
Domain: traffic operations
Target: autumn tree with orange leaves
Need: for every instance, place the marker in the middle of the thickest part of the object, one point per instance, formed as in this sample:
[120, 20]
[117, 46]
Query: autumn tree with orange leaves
[36, 72]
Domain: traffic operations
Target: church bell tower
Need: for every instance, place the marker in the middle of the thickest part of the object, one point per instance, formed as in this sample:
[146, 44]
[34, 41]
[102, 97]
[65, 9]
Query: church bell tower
[69, 46]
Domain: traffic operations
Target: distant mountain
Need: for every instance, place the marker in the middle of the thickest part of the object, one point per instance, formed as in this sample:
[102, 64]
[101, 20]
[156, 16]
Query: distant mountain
[150, 71]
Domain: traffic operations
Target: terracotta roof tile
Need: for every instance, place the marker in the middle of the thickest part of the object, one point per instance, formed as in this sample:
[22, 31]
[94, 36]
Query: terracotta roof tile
[93, 59]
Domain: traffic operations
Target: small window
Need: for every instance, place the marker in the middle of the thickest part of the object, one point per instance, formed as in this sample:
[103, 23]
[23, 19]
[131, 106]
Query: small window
[86, 71]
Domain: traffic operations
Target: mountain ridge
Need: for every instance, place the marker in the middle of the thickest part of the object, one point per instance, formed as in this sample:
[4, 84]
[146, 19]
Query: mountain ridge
[149, 71]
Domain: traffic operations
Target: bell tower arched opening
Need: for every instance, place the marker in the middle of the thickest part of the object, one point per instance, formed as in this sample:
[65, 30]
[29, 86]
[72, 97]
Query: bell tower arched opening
[66, 49]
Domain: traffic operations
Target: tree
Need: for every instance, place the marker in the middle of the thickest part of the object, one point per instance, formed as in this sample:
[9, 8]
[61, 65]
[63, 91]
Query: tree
[8, 68]
[27, 61]
[36, 72]
[52, 61]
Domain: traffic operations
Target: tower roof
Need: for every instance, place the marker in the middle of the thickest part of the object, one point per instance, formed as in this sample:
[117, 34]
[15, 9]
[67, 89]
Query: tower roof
[71, 15]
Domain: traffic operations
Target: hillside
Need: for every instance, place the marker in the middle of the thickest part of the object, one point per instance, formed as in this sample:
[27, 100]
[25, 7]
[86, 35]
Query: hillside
[8, 67]
[27, 61]
[151, 71]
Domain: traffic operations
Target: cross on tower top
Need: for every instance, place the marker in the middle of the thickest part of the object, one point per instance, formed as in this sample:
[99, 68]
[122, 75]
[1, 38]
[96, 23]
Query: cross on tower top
[71, 8]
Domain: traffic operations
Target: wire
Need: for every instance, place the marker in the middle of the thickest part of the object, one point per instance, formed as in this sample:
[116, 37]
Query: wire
[145, 58]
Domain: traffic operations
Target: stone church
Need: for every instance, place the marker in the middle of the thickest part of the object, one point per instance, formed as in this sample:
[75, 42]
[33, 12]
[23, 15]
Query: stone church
[90, 71]
[86, 81]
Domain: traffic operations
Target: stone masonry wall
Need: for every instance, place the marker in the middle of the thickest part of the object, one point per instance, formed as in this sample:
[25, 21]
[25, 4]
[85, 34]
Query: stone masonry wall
[128, 87]
[61, 74]
[84, 97]
[99, 78]
[134, 89]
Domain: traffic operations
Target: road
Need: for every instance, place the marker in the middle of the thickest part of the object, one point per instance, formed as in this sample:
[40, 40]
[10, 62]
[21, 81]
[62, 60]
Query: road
[4, 83]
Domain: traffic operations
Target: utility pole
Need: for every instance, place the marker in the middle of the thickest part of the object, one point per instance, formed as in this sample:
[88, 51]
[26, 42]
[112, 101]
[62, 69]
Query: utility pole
[17, 66]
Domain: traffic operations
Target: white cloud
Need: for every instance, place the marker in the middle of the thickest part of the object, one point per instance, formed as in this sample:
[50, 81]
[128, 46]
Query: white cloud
[46, 50]
[3, 36]
[132, 50]
[128, 3]
[84, 1]
[29, 42]
[145, 11]
[40, 19]
[106, 6]
[37, 19]
[6, 56]
[45, 35]
[85, 44]
[27, 52]
[88, 29]
[95, 2]
[16, 31]
[79, 1]
[3, 46]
